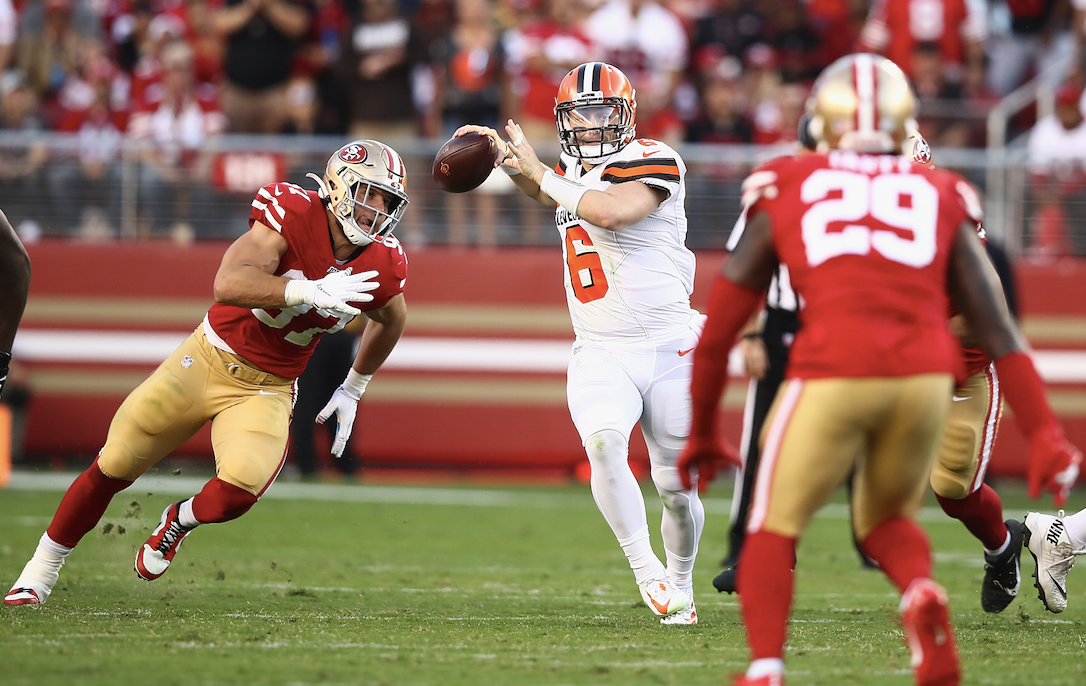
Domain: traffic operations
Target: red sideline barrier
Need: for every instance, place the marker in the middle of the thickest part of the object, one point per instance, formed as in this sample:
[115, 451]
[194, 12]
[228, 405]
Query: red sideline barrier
[473, 433]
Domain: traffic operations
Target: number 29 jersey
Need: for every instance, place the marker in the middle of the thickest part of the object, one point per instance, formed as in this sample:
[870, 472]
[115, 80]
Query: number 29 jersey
[633, 284]
[281, 341]
[867, 242]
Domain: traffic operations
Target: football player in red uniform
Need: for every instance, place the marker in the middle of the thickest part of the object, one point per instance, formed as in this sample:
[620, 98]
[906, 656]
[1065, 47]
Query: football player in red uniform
[874, 243]
[311, 262]
[965, 449]
[15, 285]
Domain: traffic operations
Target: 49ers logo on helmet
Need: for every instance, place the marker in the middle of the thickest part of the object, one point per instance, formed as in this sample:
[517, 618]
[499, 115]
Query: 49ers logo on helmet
[353, 154]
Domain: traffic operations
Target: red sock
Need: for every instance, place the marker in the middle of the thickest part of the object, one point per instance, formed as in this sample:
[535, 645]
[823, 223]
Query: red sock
[221, 502]
[83, 505]
[901, 549]
[982, 513]
[765, 591]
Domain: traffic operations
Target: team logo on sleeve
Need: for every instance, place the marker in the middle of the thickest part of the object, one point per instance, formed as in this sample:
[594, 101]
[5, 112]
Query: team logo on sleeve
[353, 154]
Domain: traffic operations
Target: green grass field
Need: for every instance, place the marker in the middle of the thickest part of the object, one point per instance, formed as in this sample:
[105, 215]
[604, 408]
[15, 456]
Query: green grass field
[467, 586]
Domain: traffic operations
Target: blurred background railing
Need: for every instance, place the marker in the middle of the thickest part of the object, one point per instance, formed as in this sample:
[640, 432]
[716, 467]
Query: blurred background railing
[76, 191]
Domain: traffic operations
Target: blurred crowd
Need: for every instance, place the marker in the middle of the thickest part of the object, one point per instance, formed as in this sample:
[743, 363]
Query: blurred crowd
[177, 73]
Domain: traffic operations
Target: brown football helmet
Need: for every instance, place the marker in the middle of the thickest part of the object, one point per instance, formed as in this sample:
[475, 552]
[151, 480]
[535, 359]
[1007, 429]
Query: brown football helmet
[595, 110]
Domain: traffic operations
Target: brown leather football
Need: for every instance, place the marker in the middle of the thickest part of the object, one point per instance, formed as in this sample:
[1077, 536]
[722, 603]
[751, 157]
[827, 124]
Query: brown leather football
[464, 162]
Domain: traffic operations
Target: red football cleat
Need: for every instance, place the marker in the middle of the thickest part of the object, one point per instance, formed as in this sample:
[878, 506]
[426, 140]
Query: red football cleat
[156, 554]
[926, 620]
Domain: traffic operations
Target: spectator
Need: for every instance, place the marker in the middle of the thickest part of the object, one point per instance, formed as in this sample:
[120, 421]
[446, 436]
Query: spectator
[540, 53]
[176, 121]
[942, 112]
[379, 53]
[21, 165]
[8, 22]
[261, 38]
[93, 177]
[894, 27]
[472, 89]
[721, 117]
[837, 24]
[1057, 161]
[798, 47]
[647, 43]
[52, 36]
[1039, 35]
[732, 28]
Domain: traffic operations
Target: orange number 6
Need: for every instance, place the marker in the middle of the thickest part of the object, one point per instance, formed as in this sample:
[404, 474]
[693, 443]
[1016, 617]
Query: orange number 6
[585, 268]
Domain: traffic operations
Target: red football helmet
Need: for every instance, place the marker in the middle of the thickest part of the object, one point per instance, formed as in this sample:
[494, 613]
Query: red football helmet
[595, 110]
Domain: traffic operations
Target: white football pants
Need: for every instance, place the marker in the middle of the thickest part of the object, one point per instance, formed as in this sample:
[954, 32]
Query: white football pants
[610, 387]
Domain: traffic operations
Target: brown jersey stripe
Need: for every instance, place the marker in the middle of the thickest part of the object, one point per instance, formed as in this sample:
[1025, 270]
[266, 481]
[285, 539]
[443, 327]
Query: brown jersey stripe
[612, 178]
[560, 168]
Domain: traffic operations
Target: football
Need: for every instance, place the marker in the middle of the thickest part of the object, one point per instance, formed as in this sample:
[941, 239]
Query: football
[464, 162]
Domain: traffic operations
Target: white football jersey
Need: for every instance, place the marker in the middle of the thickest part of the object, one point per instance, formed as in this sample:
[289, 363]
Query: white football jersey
[634, 283]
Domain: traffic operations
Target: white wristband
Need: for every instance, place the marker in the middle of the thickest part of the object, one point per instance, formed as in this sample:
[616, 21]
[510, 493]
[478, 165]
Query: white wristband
[511, 171]
[356, 383]
[294, 293]
[566, 193]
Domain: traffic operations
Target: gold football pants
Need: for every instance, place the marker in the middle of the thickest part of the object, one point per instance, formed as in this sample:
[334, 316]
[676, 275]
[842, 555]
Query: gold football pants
[820, 430]
[249, 411]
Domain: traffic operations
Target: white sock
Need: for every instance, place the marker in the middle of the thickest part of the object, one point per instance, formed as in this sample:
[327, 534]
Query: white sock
[767, 665]
[185, 516]
[49, 547]
[999, 551]
[1075, 525]
[644, 563]
[43, 570]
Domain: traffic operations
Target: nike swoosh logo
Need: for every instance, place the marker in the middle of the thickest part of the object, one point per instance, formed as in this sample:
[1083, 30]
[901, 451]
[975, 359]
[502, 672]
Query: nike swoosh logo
[277, 191]
[1061, 589]
[662, 609]
[647, 154]
[959, 399]
[685, 352]
[263, 392]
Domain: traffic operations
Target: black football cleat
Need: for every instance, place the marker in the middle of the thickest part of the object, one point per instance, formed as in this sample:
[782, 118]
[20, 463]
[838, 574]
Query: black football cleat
[1003, 573]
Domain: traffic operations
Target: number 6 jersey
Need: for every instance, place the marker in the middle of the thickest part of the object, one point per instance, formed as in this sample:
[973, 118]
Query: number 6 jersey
[633, 284]
[867, 242]
[280, 341]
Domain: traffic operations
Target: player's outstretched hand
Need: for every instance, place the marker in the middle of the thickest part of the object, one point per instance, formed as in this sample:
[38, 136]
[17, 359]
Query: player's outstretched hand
[344, 405]
[701, 458]
[1053, 464]
[527, 161]
[507, 158]
[333, 292]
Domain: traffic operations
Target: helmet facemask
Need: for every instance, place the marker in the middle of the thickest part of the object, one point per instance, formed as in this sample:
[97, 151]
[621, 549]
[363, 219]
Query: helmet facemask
[594, 128]
[361, 197]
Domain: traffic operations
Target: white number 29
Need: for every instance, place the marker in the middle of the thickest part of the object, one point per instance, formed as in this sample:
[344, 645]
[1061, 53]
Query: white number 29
[879, 198]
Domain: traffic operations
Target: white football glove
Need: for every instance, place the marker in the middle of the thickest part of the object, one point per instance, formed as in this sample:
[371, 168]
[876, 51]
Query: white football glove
[333, 292]
[344, 404]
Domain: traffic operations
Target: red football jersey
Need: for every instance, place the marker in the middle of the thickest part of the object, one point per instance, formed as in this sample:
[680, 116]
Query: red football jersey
[867, 240]
[281, 341]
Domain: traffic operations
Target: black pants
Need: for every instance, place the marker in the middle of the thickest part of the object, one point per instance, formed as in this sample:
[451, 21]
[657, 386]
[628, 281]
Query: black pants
[778, 333]
[322, 376]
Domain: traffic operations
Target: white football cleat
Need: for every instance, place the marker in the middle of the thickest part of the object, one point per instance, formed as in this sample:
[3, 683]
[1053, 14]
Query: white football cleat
[687, 616]
[663, 597]
[36, 582]
[1046, 539]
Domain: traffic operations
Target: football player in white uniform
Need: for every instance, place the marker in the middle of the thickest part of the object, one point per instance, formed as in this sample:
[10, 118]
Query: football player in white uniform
[620, 210]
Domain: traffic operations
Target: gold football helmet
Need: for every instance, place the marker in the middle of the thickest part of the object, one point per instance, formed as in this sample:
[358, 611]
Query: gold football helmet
[352, 175]
[863, 103]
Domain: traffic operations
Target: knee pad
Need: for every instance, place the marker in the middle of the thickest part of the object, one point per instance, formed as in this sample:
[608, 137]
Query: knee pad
[607, 446]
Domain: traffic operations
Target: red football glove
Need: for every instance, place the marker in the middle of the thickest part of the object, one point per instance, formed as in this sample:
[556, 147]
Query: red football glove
[704, 456]
[1053, 463]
